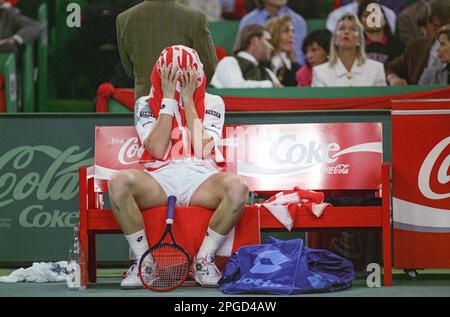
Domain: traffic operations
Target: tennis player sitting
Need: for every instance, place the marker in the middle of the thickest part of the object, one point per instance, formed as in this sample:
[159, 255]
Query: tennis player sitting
[179, 125]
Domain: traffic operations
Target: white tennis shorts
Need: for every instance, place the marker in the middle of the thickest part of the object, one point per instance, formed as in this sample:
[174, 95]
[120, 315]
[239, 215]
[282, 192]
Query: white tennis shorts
[181, 178]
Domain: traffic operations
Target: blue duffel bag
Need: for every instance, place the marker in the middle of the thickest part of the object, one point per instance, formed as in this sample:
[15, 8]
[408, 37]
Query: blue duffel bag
[285, 267]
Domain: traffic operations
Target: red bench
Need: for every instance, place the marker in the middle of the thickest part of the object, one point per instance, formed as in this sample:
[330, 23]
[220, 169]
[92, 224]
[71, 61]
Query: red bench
[336, 156]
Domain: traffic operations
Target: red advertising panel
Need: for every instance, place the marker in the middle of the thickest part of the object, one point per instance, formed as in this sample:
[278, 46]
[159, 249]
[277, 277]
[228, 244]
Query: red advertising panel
[312, 156]
[421, 184]
[273, 157]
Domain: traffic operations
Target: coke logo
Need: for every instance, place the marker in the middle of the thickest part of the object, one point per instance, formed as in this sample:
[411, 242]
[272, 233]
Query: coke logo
[336, 170]
[442, 174]
[130, 152]
[36, 217]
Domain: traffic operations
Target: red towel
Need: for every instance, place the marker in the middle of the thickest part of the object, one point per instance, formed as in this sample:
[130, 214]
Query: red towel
[283, 205]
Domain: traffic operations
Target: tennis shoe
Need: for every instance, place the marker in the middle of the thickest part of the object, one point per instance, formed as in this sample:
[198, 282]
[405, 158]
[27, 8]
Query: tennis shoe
[131, 278]
[206, 272]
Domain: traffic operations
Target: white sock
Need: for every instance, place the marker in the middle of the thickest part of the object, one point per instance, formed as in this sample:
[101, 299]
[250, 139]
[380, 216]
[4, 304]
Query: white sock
[211, 244]
[138, 243]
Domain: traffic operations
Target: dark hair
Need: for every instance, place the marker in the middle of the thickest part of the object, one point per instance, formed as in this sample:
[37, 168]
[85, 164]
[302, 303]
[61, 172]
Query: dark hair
[444, 30]
[440, 9]
[322, 37]
[363, 7]
[245, 36]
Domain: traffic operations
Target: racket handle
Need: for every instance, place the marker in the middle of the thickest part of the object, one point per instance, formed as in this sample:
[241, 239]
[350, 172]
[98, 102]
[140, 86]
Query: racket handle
[170, 209]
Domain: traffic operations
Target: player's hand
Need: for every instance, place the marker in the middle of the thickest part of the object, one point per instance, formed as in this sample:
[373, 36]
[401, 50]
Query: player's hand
[188, 83]
[169, 76]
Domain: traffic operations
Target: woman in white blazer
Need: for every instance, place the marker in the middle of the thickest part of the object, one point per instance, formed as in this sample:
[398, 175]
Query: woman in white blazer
[348, 65]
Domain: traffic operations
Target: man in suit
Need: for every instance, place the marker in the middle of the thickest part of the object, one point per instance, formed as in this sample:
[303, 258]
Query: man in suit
[247, 68]
[16, 29]
[419, 54]
[144, 30]
[409, 21]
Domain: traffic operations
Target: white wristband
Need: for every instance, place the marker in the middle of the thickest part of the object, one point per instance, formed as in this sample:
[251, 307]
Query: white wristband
[167, 106]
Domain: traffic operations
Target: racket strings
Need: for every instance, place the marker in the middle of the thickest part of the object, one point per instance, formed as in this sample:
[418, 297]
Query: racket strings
[165, 267]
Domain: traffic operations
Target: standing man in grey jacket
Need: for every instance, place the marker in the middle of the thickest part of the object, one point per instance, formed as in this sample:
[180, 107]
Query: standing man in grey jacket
[144, 30]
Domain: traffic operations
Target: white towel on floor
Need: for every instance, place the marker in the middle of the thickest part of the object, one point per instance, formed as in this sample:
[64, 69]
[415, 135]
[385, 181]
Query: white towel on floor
[39, 272]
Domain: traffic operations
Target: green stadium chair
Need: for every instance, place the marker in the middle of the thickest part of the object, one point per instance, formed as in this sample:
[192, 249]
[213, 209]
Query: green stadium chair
[315, 24]
[224, 34]
[8, 70]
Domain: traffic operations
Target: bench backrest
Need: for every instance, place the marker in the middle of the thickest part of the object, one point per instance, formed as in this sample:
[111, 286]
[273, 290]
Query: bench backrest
[319, 156]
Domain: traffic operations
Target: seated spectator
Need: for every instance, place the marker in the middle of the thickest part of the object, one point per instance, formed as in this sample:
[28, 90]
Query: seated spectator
[410, 21]
[421, 53]
[233, 9]
[439, 75]
[316, 48]
[16, 29]
[246, 69]
[335, 15]
[348, 65]
[380, 43]
[271, 8]
[284, 64]
[211, 8]
[396, 5]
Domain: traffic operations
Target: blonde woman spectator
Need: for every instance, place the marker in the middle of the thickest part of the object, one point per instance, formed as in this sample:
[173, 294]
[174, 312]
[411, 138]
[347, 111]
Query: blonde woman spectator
[271, 8]
[439, 75]
[284, 62]
[348, 64]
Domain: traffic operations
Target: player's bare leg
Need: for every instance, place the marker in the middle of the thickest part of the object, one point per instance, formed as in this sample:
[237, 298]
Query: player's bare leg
[226, 193]
[129, 192]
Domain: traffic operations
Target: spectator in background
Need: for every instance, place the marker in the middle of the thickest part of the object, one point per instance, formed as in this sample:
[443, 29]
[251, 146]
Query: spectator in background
[284, 63]
[348, 64]
[395, 5]
[271, 8]
[316, 48]
[411, 21]
[211, 8]
[233, 9]
[247, 68]
[421, 53]
[380, 43]
[16, 29]
[439, 75]
[144, 30]
[335, 15]
[308, 9]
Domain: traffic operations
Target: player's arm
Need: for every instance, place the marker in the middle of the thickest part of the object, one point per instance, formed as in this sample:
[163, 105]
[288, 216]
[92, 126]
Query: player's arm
[200, 138]
[158, 139]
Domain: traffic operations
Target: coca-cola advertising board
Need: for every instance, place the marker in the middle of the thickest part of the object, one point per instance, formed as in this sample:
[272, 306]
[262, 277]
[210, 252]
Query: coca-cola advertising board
[421, 184]
[273, 157]
[39, 203]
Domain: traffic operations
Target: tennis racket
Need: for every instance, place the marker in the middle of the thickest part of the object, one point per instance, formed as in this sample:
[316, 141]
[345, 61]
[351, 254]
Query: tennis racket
[164, 266]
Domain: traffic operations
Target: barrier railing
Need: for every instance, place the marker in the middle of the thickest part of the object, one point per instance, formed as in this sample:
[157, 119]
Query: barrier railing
[26, 57]
[42, 84]
[110, 99]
